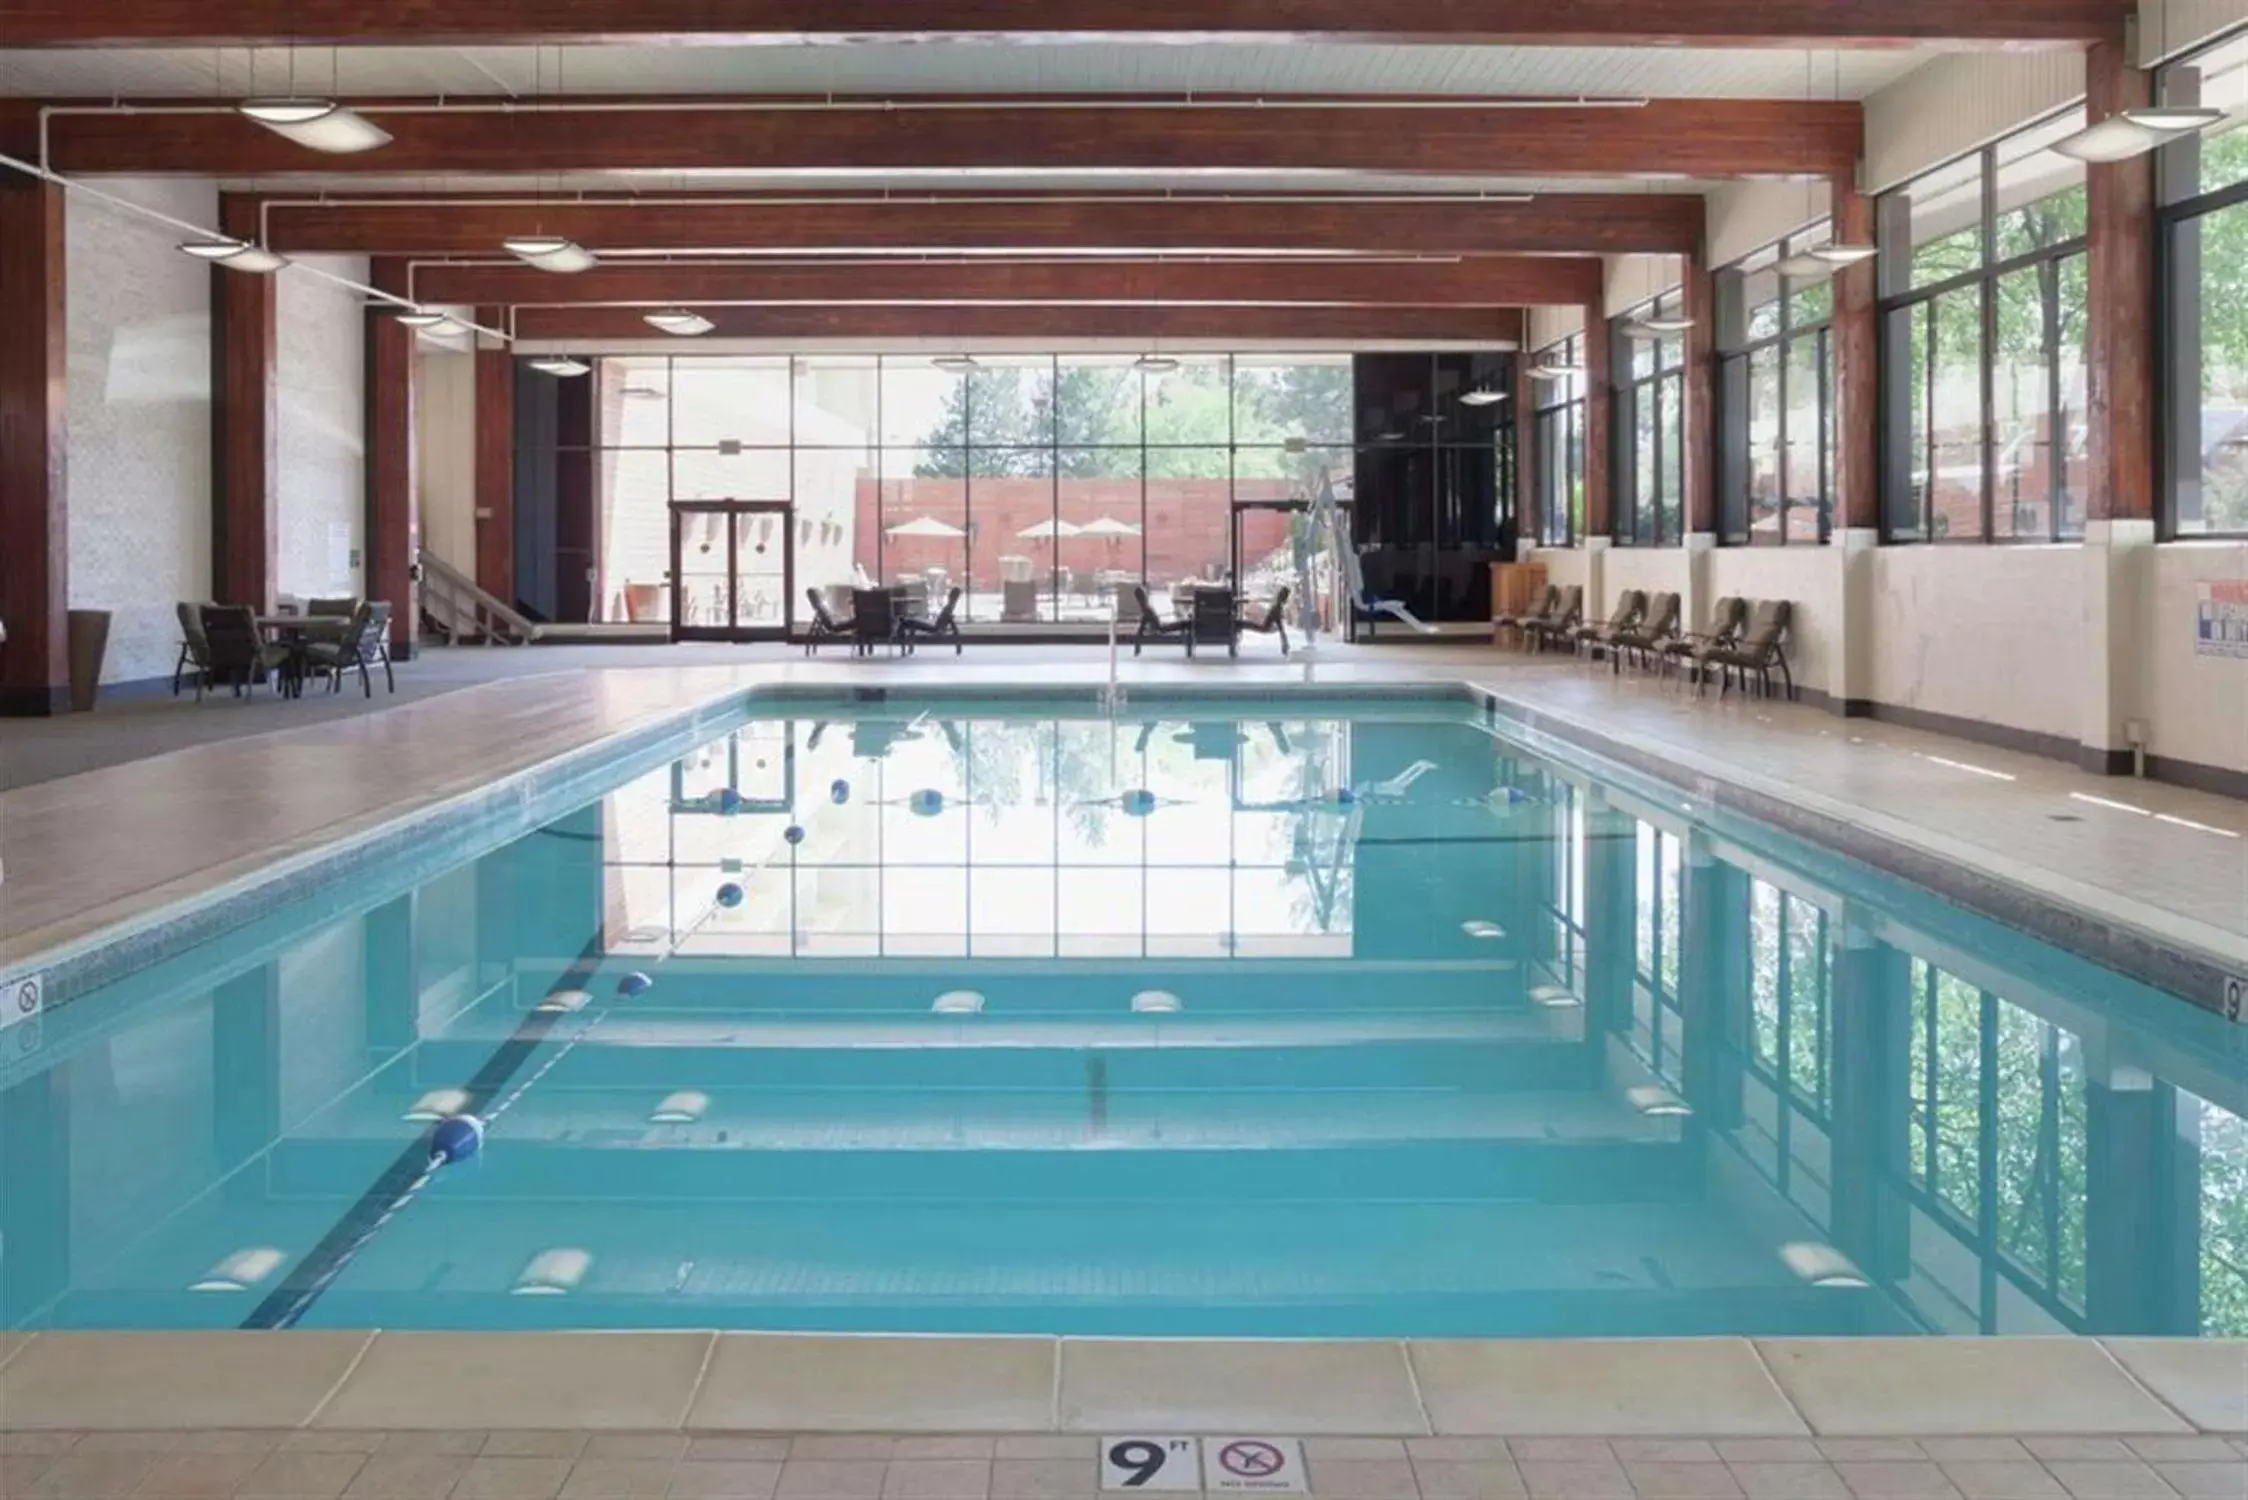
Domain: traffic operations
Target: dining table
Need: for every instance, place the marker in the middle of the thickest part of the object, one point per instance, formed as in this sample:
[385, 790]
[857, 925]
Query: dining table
[292, 633]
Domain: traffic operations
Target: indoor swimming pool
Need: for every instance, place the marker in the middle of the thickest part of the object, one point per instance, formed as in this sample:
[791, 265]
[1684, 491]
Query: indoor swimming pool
[1296, 1017]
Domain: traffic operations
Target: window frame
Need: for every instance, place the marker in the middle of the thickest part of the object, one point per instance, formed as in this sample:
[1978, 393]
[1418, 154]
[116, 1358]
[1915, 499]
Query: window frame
[1663, 385]
[1737, 351]
[1562, 412]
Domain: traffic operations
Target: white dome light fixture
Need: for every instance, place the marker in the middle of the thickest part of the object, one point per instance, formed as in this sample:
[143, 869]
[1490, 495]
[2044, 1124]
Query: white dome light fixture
[1657, 1102]
[561, 366]
[1823, 1266]
[235, 255]
[957, 363]
[1478, 928]
[1157, 1003]
[438, 1104]
[240, 1271]
[422, 317]
[679, 322]
[958, 1003]
[317, 124]
[682, 1108]
[552, 1273]
[550, 252]
[1155, 364]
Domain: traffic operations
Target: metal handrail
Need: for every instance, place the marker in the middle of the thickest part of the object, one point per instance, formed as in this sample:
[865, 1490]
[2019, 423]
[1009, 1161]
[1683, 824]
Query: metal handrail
[486, 613]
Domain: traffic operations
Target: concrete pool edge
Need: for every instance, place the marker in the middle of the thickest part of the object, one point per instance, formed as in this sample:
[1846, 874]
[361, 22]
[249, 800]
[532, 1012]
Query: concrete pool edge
[706, 1382]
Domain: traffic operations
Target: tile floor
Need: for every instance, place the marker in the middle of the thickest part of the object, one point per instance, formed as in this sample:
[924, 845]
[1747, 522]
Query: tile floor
[361, 1464]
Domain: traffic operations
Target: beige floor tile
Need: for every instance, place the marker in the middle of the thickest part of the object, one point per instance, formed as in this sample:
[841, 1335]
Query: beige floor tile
[1564, 1479]
[227, 1440]
[1449, 1479]
[1769, 1451]
[2182, 1450]
[937, 1479]
[935, 1446]
[174, 1380]
[1359, 1450]
[1664, 1451]
[128, 1440]
[736, 1447]
[2205, 1379]
[20, 1471]
[832, 1478]
[1372, 1478]
[1164, 1385]
[844, 1445]
[95, 1476]
[47, 1440]
[877, 1384]
[1937, 1386]
[1869, 1450]
[2079, 1449]
[1972, 1450]
[725, 1479]
[530, 1442]
[2207, 1481]
[1670, 1480]
[408, 1476]
[2002, 1479]
[303, 1476]
[633, 1381]
[1467, 1449]
[512, 1479]
[1046, 1445]
[1789, 1481]
[1714, 1387]
[1044, 1478]
[12, 1344]
[619, 1479]
[1896, 1479]
[341, 1440]
[466, 1442]
[635, 1445]
[2111, 1481]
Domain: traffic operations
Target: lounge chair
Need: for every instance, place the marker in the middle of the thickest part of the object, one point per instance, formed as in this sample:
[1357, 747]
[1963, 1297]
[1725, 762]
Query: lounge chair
[1275, 620]
[944, 625]
[1153, 626]
[824, 625]
[1759, 650]
[1726, 618]
[1547, 600]
[195, 650]
[1631, 606]
[1557, 627]
[1216, 618]
[358, 647]
[874, 619]
[1657, 627]
[233, 651]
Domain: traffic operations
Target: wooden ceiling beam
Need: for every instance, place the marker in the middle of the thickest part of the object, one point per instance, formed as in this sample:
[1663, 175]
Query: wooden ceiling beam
[1489, 281]
[1478, 325]
[52, 23]
[1662, 137]
[1570, 224]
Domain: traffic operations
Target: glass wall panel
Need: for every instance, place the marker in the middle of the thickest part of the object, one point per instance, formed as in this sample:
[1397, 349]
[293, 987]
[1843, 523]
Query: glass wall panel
[1014, 570]
[635, 396]
[1955, 403]
[720, 474]
[1011, 402]
[1277, 397]
[838, 401]
[1097, 401]
[1189, 408]
[922, 405]
[2040, 192]
[737, 398]
[1947, 221]
[1805, 518]
[2022, 431]
[2072, 430]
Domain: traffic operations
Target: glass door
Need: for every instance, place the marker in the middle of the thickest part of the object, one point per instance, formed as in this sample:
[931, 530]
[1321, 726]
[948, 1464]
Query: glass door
[733, 569]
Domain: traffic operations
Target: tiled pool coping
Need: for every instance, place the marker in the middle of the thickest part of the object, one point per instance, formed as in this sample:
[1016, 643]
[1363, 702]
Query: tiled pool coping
[411, 838]
[739, 1382]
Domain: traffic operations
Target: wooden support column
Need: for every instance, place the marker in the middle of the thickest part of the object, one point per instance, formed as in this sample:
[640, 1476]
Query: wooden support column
[1857, 384]
[2119, 295]
[393, 526]
[34, 508]
[1599, 406]
[1698, 427]
[495, 460]
[244, 325]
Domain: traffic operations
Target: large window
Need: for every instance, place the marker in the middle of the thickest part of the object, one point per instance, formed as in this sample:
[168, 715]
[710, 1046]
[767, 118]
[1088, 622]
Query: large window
[1039, 485]
[1558, 387]
[2204, 218]
[1776, 401]
[1983, 322]
[1651, 410]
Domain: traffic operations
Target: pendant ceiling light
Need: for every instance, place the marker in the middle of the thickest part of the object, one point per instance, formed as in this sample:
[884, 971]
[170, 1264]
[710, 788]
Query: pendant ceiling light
[2168, 120]
[318, 124]
[1482, 396]
[236, 255]
[550, 252]
[422, 317]
[1155, 364]
[2131, 132]
[561, 366]
[679, 322]
[955, 362]
[1554, 369]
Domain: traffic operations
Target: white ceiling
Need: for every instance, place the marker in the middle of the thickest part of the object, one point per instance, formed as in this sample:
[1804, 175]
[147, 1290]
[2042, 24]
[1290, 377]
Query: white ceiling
[964, 67]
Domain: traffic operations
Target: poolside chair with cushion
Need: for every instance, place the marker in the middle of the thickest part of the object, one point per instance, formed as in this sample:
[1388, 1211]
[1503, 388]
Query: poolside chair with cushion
[1726, 617]
[233, 651]
[911, 629]
[195, 650]
[1153, 626]
[874, 619]
[1556, 628]
[824, 625]
[1549, 598]
[1274, 621]
[1631, 605]
[356, 648]
[1655, 630]
[1215, 613]
[1758, 650]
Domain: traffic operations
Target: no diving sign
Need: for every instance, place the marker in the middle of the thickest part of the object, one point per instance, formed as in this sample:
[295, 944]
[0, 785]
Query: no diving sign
[25, 998]
[1251, 1464]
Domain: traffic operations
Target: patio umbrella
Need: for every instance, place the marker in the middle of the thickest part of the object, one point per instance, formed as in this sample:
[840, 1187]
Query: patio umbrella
[926, 526]
[1108, 527]
[1051, 529]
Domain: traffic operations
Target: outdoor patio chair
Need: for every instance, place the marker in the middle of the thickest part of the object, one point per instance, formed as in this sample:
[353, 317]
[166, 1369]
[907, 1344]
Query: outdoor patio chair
[874, 620]
[1274, 621]
[1759, 650]
[1657, 627]
[1153, 626]
[824, 625]
[1726, 617]
[195, 650]
[1548, 598]
[1553, 629]
[233, 652]
[1214, 618]
[1631, 606]
[356, 648]
[911, 629]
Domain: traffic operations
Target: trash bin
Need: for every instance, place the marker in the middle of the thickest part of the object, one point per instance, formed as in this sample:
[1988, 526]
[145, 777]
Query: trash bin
[89, 643]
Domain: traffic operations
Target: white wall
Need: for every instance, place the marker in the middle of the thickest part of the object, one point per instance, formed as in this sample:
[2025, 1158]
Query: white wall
[1954, 103]
[447, 420]
[2196, 706]
[1808, 577]
[1746, 216]
[320, 425]
[1550, 325]
[138, 409]
[1652, 570]
[1990, 633]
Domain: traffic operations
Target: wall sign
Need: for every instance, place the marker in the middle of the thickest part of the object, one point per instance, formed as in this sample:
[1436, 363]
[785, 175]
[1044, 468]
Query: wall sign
[2220, 621]
[26, 997]
[1151, 1463]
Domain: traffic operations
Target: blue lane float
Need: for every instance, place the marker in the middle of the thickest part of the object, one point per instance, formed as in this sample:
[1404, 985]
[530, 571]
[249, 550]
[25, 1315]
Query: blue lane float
[926, 803]
[729, 800]
[635, 983]
[457, 1138]
[1137, 803]
[839, 793]
[794, 833]
[729, 895]
[1345, 795]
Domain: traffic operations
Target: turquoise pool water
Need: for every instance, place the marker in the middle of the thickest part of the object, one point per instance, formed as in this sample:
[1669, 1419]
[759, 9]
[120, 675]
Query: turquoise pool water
[1285, 1018]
